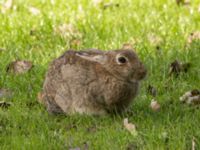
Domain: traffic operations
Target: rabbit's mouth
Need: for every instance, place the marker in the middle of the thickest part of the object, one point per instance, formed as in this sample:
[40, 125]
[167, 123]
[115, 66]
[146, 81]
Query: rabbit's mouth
[140, 73]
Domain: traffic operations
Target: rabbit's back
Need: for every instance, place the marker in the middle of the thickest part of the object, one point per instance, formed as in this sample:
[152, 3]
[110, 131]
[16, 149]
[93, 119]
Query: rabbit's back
[71, 83]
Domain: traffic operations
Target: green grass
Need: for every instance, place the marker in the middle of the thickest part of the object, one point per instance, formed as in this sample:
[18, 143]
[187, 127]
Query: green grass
[27, 125]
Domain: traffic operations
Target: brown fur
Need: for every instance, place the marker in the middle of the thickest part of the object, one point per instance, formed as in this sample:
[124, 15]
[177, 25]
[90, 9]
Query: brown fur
[91, 82]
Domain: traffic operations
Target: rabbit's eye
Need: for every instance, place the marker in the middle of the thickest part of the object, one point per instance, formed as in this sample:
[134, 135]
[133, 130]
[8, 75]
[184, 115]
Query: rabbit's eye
[122, 60]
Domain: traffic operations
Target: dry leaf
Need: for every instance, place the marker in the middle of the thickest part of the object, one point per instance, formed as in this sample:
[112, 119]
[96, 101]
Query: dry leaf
[4, 104]
[183, 2]
[154, 39]
[92, 129]
[40, 97]
[193, 37]
[97, 2]
[75, 43]
[152, 91]
[6, 6]
[177, 67]
[185, 96]
[132, 146]
[130, 127]
[185, 67]
[127, 46]
[34, 11]
[67, 31]
[110, 5]
[155, 106]
[5, 93]
[179, 2]
[19, 66]
[2, 49]
[199, 9]
[187, 2]
[193, 143]
[71, 126]
[31, 104]
[195, 100]
[191, 97]
[85, 146]
[130, 44]
[33, 32]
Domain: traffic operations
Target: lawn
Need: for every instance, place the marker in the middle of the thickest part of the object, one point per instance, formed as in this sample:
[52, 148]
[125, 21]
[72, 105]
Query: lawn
[40, 31]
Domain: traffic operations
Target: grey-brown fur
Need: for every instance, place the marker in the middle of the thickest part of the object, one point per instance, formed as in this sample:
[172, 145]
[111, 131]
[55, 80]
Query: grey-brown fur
[92, 81]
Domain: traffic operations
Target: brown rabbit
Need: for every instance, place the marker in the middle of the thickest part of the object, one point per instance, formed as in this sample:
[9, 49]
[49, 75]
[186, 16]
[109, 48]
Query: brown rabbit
[92, 81]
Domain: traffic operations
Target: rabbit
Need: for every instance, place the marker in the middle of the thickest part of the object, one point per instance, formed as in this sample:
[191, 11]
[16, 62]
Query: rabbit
[92, 82]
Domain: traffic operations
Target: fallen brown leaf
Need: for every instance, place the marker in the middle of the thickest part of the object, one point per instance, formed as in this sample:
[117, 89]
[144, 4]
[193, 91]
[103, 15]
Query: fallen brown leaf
[193, 37]
[191, 97]
[194, 100]
[132, 146]
[152, 90]
[179, 2]
[185, 67]
[110, 5]
[4, 104]
[177, 67]
[75, 43]
[127, 46]
[67, 31]
[85, 146]
[34, 11]
[155, 106]
[199, 9]
[183, 2]
[97, 2]
[19, 66]
[131, 43]
[33, 32]
[195, 92]
[92, 129]
[6, 6]
[2, 49]
[154, 39]
[5, 93]
[193, 143]
[31, 104]
[71, 126]
[130, 127]
[40, 97]
[185, 96]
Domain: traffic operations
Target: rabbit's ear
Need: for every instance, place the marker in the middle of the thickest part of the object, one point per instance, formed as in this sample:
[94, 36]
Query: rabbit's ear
[99, 58]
